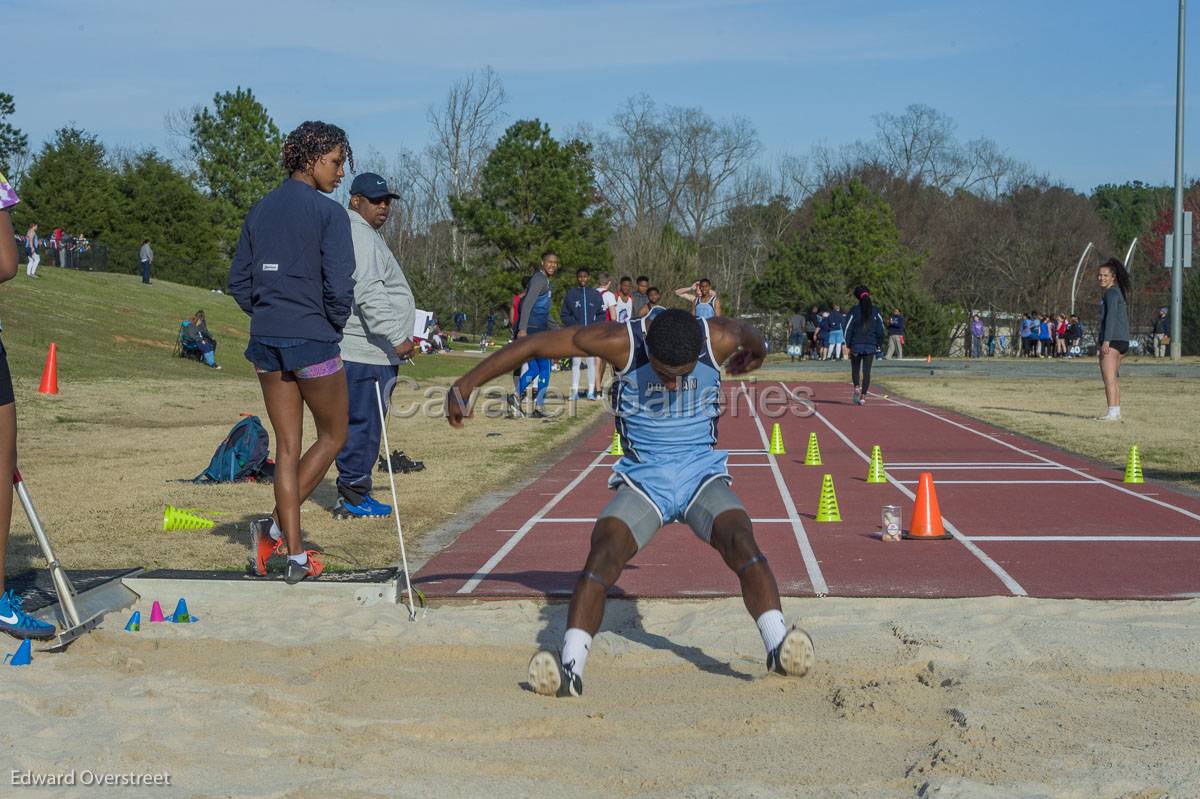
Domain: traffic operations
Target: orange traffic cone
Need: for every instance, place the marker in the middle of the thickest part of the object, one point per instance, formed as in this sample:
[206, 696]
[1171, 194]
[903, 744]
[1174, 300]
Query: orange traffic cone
[49, 383]
[927, 516]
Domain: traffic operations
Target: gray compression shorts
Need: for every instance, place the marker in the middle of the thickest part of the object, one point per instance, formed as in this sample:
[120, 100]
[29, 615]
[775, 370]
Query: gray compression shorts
[635, 509]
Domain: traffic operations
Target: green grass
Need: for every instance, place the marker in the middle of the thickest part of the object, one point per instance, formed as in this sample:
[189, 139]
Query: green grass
[112, 327]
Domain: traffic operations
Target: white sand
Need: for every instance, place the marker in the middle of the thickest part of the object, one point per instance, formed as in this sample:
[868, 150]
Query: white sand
[314, 697]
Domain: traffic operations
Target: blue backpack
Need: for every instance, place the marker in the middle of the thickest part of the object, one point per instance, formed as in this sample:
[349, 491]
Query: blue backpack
[241, 456]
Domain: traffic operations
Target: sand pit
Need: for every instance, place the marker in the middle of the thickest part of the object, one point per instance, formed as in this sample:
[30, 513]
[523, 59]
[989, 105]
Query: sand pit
[317, 697]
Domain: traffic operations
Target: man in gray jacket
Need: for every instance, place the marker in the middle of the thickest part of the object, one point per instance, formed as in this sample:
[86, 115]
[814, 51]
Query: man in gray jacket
[145, 256]
[377, 336]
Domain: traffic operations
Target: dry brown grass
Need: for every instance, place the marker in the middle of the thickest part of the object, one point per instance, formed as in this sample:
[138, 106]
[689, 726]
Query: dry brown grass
[102, 460]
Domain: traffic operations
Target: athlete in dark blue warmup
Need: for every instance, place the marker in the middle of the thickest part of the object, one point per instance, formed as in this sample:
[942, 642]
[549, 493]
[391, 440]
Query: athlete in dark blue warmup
[667, 401]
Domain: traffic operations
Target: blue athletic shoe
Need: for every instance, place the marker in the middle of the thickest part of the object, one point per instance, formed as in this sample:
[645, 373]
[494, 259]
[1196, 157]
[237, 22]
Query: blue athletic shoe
[18, 623]
[368, 507]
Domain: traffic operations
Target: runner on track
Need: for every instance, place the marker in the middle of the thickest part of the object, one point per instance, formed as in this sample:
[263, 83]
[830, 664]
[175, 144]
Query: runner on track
[666, 398]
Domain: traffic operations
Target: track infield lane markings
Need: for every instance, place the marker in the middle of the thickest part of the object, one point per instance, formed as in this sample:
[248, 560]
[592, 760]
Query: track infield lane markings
[810, 558]
[515, 538]
[1012, 585]
[1161, 539]
[1005, 482]
[1042, 458]
[593, 521]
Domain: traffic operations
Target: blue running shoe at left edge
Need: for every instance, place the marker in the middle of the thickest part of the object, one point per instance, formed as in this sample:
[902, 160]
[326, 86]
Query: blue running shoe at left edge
[18, 623]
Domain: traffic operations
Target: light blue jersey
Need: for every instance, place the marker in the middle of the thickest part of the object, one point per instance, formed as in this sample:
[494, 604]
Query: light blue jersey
[669, 437]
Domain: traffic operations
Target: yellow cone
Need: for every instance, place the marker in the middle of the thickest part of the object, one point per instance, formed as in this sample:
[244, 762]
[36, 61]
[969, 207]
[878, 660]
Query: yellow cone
[1133, 466]
[615, 449]
[813, 456]
[776, 447]
[875, 474]
[827, 508]
[180, 519]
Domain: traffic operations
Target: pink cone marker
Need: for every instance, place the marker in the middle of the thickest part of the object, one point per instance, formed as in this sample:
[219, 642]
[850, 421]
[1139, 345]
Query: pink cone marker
[156, 613]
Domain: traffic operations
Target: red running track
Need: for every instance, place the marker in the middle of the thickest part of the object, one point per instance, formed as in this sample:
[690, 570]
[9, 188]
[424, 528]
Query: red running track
[1026, 519]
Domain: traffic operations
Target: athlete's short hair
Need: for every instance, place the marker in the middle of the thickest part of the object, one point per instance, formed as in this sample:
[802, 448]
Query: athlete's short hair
[583, 270]
[674, 338]
[643, 279]
[547, 254]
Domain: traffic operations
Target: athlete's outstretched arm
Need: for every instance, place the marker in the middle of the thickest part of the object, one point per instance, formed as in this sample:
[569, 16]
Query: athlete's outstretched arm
[733, 337]
[608, 341]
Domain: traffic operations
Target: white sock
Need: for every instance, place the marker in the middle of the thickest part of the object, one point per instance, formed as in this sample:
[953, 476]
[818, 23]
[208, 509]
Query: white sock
[302, 558]
[773, 628]
[576, 644]
[276, 533]
[1114, 410]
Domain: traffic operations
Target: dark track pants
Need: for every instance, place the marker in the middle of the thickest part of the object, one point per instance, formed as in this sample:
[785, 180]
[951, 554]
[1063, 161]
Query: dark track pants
[360, 453]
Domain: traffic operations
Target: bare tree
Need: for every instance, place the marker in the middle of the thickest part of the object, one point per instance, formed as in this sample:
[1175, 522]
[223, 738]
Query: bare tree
[179, 127]
[464, 128]
[702, 158]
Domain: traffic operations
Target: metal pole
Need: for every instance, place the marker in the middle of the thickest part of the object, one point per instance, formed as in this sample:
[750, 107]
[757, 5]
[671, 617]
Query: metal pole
[1129, 255]
[387, 456]
[1177, 249]
[1075, 278]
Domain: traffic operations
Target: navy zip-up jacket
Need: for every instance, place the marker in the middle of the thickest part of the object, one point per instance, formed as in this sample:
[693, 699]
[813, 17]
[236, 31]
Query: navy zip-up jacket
[294, 265]
[864, 340]
[582, 306]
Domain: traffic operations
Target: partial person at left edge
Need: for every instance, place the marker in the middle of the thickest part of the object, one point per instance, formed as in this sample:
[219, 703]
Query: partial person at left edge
[376, 339]
[13, 618]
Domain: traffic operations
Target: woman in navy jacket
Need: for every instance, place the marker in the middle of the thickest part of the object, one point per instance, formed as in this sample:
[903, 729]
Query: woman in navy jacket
[864, 333]
[292, 273]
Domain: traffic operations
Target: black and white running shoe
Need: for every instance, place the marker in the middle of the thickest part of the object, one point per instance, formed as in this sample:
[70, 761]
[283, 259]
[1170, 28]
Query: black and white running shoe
[793, 657]
[549, 677]
[514, 407]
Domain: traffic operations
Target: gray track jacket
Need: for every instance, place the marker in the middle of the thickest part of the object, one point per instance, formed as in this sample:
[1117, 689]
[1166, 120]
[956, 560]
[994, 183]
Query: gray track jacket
[384, 309]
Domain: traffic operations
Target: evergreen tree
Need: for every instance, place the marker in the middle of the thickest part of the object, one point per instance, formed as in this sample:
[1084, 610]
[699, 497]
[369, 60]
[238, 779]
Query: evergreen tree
[161, 204]
[853, 239]
[12, 141]
[237, 149]
[536, 194]
[70, 185]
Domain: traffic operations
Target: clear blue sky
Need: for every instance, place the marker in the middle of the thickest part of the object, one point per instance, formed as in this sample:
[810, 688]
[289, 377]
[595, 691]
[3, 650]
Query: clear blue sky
[1081, 89]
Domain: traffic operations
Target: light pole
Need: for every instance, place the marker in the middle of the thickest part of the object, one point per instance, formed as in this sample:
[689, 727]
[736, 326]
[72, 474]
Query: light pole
[1177, 240]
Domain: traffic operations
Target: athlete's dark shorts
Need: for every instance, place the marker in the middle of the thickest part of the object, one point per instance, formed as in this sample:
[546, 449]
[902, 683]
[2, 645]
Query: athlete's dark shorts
[289, 354]
[1120, 346]
[6, 389]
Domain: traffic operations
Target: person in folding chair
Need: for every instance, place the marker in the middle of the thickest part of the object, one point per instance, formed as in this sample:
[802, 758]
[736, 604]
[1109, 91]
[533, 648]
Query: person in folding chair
[13, 619]
[376, 338]
[195, 342]
[667, 397]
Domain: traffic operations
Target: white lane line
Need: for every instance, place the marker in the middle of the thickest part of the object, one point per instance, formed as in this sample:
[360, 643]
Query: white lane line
[592, 520]
[1015, 448]
[972, 464]
[1088, 538]
[516, 537]
[942, 482]
[958, 467]
[1012, 585]
[810, 558]
[761, 465]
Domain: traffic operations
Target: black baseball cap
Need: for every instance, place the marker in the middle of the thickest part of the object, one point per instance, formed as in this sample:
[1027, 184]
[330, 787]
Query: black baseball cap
[371, 186]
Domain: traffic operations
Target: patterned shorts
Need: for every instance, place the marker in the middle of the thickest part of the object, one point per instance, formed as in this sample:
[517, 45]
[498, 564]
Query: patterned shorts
[322, 369]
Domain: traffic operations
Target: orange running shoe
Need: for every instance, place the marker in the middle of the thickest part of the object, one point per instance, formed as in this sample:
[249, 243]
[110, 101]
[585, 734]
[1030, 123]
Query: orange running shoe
[313, 568]
[263, 545]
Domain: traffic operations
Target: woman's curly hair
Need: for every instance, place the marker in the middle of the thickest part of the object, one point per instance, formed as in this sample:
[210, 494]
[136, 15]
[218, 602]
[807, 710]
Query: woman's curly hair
[310, 141]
